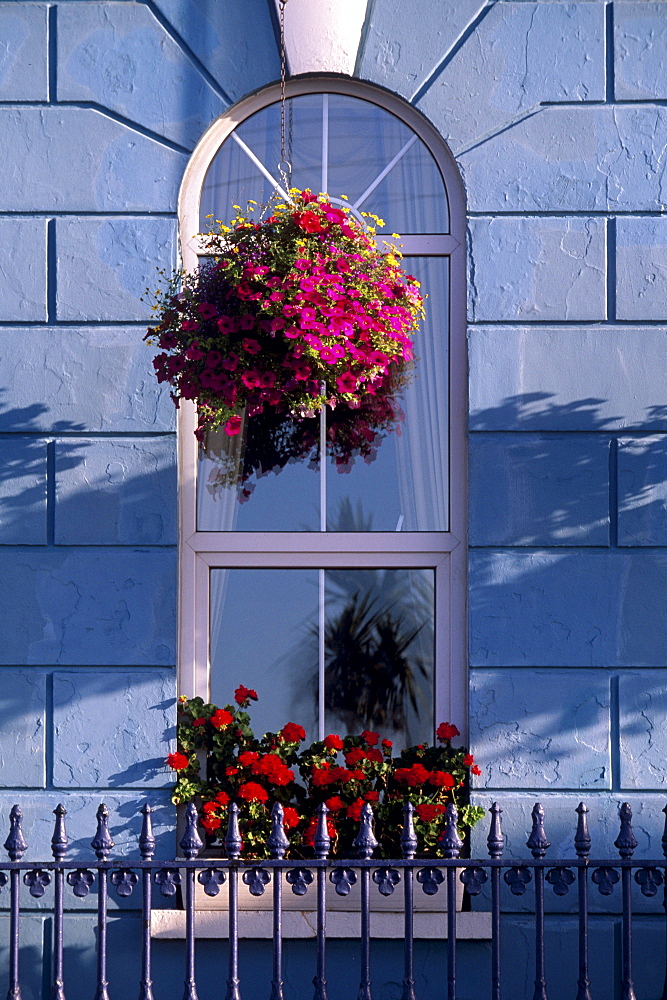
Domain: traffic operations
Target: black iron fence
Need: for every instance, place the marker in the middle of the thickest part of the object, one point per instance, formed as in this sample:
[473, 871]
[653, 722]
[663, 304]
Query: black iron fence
[176, 879]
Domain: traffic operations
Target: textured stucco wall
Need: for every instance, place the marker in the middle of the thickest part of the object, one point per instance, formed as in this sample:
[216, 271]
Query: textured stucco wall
[100, 107]
[555, 113]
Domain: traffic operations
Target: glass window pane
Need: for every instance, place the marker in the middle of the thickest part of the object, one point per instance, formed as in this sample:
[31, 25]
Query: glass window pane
[378, 666]
[405, 487]
[260, 620]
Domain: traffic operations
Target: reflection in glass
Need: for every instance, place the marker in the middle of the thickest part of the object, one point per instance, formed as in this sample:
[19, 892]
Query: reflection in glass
[377, 669]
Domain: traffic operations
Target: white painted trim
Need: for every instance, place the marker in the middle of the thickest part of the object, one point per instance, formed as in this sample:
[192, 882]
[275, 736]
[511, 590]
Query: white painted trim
[170, 925]
[322, 36]
[201, 550]
[325, 545]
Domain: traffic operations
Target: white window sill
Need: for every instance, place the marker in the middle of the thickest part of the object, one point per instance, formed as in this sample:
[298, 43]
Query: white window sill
[258, 924]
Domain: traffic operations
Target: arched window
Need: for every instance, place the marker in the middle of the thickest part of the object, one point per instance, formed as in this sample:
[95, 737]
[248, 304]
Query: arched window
[340, 597]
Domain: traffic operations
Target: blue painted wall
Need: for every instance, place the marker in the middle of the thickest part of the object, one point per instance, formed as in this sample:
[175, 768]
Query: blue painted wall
[555, 113]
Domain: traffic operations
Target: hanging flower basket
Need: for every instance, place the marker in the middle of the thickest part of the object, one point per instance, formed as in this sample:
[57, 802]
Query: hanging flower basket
[293, 313]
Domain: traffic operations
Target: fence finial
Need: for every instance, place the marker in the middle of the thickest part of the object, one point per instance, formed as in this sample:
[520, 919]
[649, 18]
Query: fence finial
[59, 838]
[582, 838]
[233, 842]
[495, 842]
[626, 840]
[15, 845]
[322, 840]
[277, 842]
[102, 843]
[365, 843]
[409, 842]
[538, 842]
[191, 843]
[146, 838]
[449, 840]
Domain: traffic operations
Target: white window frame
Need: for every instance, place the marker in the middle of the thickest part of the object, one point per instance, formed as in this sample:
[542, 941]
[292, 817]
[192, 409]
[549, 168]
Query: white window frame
[444, 552]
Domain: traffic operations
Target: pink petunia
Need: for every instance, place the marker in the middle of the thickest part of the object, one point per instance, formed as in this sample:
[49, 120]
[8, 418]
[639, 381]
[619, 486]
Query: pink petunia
[233, 426]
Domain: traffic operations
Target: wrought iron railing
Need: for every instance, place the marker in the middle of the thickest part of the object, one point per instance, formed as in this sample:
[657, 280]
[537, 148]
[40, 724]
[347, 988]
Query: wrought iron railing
[167, 878]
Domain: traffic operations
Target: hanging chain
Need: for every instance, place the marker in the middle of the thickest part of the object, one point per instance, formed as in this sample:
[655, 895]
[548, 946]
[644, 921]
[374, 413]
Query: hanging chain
[284, 167]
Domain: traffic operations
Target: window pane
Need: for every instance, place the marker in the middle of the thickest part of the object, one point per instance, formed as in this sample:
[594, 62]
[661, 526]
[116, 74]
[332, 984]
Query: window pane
[378, 667]
[406, 486]
[261, 619]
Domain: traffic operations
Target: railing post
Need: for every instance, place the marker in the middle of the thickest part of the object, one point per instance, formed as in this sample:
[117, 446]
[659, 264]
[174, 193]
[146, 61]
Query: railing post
[664, 899]
[277, 844]
[146, 849]
[322, 845]
[16, 846]
[365, 843]
[538, 845]
[58, 849]
[582, 845]
[450, 845]
[191, 845]
[625, 844]
[102, 844]
[409, 847]
[233, 845]
[495, 843]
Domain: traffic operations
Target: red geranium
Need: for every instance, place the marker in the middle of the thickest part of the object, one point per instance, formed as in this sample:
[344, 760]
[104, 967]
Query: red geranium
[292, 733]
[429, 811]
[441, 779]
[371, 738]
[334, 804]
[413, 776]
[354, 810]
[211, 823]
[446, 731]
[243, 695]
[274, 769]
[221, 718]
[253, 792]
[309, 222]
[333, 742]
[178, 761]
[291, 817]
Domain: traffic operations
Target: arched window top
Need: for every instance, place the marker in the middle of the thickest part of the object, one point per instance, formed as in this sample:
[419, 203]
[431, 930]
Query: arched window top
[343, 136]
[346, 146]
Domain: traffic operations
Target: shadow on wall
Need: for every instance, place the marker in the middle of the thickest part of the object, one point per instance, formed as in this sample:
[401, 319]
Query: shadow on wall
[568, 573]
[88, 527]
[567, 530]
